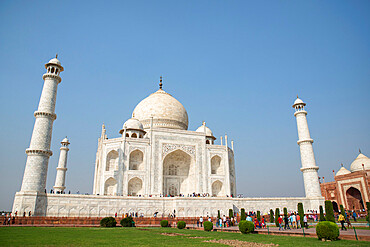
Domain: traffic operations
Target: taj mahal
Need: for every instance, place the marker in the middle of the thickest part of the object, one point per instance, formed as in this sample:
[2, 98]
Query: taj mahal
[154, 164]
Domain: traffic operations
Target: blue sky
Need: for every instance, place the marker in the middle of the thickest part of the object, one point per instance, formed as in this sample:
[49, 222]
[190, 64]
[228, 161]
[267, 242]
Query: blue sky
[238, 65]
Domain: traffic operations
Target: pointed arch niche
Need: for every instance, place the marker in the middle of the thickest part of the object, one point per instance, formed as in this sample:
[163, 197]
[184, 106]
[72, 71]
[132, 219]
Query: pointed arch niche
[110, 187]
[136, 160]
[217, 188]
[112, 161]
[216, 168]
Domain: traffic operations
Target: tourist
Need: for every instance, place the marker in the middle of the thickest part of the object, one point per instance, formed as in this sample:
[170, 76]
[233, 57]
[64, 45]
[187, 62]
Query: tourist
[298, 218]
[29, 213]
[13, 220]
[294, 221]
[280, 221]
[249, 218]
[305, 225]
[115, 215]
[263, 222]
[197, 223]
[224, 220]
[354, 215]
[286, 222]
[342, 220]
[201, 221]
[209, 219]
[220, 222]
[24, 214]
[348, 223]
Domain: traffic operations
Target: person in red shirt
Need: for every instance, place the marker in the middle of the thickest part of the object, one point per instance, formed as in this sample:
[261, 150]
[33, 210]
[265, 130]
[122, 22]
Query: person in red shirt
[280, 220]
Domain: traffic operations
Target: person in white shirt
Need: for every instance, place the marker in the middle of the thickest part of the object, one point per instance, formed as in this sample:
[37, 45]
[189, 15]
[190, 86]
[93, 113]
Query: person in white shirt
[201, 221]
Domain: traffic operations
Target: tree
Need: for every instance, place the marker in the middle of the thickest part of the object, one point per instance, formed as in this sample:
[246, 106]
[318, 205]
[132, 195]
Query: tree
[301, 213]
[258, 215]
[271, 216]
[342, 211]
[242, 214]
[329, 211]
[231, 213]
[277, 215]
[322, 217]
[218, 214]
[285, 212]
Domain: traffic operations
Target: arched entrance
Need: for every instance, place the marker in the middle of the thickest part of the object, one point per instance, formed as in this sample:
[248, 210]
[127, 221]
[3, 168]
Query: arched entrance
[335, 206]
[216, 188]
[110, 187]
[354, 199]
[177, 169]
[135, 186]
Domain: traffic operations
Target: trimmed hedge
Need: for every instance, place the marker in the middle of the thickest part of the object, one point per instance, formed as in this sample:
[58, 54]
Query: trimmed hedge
[208, 226]
[258, 215]
[329, 211]
[300, 213]
[277, 215]
[285, 212]
[127, 222]
[108, 222]
[218, 214]
[322, 217]
[246, 227]
[181, 224]
[327, 230]
[242, 214]
[272, 216]
[164, 223]
[231, 214]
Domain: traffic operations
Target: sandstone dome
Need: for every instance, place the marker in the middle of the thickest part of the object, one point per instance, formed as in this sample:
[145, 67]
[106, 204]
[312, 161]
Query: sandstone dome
[203, 128]
[342, 171]
[167, 112]
[357, 163]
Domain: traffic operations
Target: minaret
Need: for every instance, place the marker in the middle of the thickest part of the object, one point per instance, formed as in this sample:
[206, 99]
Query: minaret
[60, 180]
[309, 168]
[34, 178]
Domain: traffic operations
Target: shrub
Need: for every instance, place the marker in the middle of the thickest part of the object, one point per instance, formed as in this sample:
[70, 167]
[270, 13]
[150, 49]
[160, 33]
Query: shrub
[322, 217]
[127, 222]
[208, 226]
[329, 211]
[231, 214]
[164, 223]
[271, 216]
[258, 215]
[327, 230]
[242, 214]
[285, 212]
[108, 222]
[246, 227]
[218, 214]
[300, 213]
[181, 224]
[342, 210]
[277, 215]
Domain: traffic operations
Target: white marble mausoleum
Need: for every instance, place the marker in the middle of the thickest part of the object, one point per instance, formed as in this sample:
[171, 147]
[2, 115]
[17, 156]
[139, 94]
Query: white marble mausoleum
[155, 164]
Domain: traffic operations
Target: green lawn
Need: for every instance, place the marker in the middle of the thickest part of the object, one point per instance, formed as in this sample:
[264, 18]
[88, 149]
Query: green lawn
[83, 236]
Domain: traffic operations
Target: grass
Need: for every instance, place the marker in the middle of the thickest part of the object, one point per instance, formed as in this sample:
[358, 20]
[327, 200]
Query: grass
[64, 236]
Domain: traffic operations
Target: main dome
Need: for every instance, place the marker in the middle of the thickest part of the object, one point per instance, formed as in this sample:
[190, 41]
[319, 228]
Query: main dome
[167, 112]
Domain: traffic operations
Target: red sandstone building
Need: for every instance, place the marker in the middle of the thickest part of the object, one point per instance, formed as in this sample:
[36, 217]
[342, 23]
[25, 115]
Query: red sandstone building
[349, 188]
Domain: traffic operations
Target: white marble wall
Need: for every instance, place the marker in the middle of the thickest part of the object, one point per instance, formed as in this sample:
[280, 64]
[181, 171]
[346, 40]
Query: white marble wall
[92, 205]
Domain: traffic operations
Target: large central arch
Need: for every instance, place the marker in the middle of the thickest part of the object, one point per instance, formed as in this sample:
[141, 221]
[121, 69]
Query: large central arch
[354, 199]
[178, 174]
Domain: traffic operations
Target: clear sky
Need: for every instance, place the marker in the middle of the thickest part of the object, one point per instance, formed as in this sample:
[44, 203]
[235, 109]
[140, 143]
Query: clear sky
[238, 65]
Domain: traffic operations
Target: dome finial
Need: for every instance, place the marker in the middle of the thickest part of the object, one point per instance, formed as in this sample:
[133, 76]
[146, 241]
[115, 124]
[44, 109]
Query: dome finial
[359, 150]
[341, 164]
[56, 55]
[204, 123]
[297, 96]
[160, 82]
